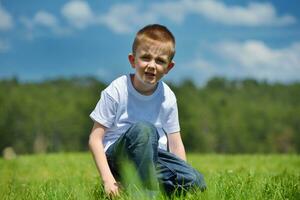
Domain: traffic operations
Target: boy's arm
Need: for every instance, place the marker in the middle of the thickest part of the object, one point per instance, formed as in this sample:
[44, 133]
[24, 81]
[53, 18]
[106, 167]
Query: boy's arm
[176, 145]
[97, 149]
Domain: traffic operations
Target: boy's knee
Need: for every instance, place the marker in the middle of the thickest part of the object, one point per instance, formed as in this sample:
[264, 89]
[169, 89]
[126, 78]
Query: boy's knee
[193, 179]
[197, 180]
[143, 131]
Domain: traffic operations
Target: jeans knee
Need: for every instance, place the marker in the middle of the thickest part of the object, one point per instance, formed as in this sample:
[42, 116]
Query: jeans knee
[143, 131]
[193, 179]
[197, 181]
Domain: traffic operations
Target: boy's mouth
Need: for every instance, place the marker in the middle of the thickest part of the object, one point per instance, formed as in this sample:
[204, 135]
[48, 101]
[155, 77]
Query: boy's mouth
[149, 74]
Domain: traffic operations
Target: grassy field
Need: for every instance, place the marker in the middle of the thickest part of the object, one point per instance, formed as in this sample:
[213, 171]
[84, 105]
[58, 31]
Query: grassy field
[74, 176]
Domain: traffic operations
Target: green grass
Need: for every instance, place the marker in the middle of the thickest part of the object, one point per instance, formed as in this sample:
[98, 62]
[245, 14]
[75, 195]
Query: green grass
[74, 176]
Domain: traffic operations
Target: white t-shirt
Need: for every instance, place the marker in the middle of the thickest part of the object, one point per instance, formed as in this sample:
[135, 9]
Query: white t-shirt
[121, 106]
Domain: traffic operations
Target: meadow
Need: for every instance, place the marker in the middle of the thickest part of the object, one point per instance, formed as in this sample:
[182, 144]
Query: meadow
[74, 176]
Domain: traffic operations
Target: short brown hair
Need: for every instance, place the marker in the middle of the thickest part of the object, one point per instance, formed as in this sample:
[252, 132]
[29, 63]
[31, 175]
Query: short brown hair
[155, 32]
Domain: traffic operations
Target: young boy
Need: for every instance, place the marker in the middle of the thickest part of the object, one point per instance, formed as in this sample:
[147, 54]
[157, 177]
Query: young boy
[136, 118]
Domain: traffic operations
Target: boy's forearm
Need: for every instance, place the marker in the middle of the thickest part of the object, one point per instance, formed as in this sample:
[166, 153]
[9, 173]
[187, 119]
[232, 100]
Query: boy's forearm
[176, 145]
[97, 150]
[179, 151]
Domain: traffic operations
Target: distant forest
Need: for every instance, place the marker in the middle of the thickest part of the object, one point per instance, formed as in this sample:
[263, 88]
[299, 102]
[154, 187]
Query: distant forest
[224, 116]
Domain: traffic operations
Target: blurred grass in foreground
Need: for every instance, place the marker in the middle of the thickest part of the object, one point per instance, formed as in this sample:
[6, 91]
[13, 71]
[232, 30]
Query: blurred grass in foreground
[74, 176]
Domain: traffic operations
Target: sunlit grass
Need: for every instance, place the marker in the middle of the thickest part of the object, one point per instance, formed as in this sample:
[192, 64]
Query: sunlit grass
[74, 176]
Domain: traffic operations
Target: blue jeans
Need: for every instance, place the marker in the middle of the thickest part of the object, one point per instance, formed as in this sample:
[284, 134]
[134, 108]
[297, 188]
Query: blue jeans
[155, 167]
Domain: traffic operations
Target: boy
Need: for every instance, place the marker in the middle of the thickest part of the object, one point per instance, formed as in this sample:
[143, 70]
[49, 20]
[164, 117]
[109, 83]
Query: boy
[136, 118]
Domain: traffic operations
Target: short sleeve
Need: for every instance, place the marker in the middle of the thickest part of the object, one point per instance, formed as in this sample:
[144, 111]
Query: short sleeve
[171, 124]
[105, 110]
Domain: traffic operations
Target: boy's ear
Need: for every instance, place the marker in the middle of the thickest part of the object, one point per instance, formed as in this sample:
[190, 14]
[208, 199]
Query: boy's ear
[131, 60]
[170, 66]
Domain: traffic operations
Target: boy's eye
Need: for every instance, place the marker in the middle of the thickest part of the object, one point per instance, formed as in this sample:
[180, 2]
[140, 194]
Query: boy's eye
[145, 57]
[161, 61]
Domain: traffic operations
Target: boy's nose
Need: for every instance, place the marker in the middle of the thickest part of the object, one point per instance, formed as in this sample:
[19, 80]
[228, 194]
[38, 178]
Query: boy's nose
[152, 64]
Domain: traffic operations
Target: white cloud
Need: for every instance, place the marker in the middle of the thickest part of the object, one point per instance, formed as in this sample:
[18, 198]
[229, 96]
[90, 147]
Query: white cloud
[4, 46]
[6, 20]
[174, 11]
[260, 60]
[255, 14]
[123, 18]
[251, 58]
[78, 13]
[43, 19]
[46, 19]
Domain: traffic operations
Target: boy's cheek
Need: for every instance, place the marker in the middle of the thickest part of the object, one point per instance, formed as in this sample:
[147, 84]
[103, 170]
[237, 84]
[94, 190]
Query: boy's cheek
[139, 62]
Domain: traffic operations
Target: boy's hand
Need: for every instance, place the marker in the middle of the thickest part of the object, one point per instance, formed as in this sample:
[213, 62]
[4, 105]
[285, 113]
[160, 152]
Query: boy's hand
[112, 188]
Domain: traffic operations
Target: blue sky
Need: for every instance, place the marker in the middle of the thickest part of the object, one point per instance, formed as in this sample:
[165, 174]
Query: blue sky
[234, 39]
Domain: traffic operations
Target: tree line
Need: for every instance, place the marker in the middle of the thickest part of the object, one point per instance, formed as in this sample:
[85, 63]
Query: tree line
[224, 116]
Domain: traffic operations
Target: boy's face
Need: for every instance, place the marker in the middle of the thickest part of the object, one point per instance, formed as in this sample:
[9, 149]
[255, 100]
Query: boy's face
[151, 62]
